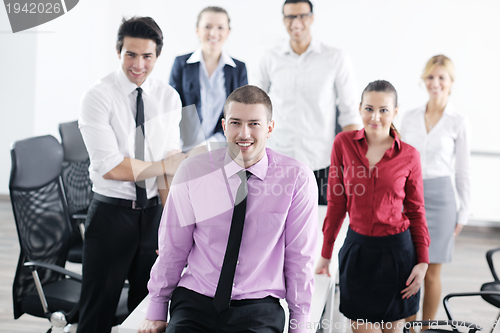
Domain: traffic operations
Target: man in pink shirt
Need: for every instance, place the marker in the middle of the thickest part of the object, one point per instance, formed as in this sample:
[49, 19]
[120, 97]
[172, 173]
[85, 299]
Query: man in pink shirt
[234, 280]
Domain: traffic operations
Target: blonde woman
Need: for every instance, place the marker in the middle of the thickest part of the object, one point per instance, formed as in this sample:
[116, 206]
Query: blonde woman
[440, 134]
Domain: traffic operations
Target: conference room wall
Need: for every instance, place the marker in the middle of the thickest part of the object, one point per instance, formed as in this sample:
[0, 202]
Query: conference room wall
[47, 69]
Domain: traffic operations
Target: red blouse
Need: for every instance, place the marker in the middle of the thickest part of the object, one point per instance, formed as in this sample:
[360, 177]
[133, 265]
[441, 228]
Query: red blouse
[374, 199]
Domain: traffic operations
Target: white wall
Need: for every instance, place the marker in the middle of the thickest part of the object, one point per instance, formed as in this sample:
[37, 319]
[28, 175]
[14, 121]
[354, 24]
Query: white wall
[46, 70]
[17, 91]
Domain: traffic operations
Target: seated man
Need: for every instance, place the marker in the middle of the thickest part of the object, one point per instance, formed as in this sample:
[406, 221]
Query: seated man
[247, 244]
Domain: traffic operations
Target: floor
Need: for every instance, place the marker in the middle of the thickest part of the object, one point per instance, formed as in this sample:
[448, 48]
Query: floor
[466, 273]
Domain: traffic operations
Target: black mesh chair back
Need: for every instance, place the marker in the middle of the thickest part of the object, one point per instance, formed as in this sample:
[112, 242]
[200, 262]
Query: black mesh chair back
[77, 184]
[75, 172]
[493, 286]
[41, 218]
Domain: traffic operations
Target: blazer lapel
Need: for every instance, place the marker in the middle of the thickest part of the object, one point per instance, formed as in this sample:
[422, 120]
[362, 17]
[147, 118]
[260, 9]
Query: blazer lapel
[228, 76]
[193, 76]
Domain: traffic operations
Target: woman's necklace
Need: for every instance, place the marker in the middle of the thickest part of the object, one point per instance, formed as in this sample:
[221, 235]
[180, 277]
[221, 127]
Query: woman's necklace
[428, 122]
[431, 120]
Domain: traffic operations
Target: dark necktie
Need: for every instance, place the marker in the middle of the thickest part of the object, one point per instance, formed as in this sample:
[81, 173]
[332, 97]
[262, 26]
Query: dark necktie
[222, 296]
[140, 186]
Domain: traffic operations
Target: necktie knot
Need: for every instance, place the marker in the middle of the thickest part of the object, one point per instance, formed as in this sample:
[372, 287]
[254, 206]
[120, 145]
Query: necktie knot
[242, 192]
[139, 90]
[244, 175]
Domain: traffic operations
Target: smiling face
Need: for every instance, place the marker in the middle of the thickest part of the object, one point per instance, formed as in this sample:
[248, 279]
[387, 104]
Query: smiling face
[247, 129]
[212, 30]
[377, 110]
[138, 58]
[438, 83]
[299, 29]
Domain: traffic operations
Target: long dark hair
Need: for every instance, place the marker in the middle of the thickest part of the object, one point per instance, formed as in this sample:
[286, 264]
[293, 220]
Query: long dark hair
[387, 87]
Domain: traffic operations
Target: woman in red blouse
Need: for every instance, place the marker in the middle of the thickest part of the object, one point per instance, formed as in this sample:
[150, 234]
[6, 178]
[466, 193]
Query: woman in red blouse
[373, 175]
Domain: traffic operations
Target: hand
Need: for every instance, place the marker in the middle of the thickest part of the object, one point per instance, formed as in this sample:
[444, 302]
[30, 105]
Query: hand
[458, 229]
[152, 326]
[415, 280]
[172, 161]
[323, 266]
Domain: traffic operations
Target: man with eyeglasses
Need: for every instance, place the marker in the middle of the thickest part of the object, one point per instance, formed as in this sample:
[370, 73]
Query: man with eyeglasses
[307, 81]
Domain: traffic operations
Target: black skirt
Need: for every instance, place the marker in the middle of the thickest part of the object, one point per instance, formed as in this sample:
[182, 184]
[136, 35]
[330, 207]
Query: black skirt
[373, 272]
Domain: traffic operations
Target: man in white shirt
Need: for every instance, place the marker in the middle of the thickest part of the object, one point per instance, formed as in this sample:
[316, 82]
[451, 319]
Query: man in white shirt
[307, 81]
[130, 126]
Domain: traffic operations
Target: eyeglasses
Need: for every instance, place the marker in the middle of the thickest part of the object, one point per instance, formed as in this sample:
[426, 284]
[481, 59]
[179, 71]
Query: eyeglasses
[301, 17]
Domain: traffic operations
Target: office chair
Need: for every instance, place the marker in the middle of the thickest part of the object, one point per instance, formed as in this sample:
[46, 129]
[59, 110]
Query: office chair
[77, 184]
[490, 292]
[492, 286]
[42, 287]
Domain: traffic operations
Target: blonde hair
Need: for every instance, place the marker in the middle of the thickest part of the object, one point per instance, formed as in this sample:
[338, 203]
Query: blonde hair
[439, 60]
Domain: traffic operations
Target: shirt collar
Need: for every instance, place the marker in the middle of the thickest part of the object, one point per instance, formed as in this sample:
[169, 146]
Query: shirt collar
[449, 109]
[360, 135]
[129, 87]
[259, 169]
[314, 46]
[224, 59]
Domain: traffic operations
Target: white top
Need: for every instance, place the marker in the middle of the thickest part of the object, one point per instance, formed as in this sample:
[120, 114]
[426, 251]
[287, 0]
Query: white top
[213, 93]
[107, 123]
[305, 90]
[443, 151]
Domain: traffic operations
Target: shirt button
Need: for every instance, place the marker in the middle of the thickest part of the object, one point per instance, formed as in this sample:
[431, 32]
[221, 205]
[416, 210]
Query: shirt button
[238, 262]
[234, 284]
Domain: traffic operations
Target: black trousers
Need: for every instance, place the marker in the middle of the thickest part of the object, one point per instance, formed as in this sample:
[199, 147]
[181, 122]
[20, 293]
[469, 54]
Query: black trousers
[191, 312]
[120, 243]
[322, 181]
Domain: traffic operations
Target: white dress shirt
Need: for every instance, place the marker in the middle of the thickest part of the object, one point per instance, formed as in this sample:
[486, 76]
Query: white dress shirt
[107, 123]
[443, 151]
[213, 93]
[305, 90]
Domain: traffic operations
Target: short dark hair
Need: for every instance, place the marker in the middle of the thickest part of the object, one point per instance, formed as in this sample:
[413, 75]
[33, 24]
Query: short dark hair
[298, 1]
[250, 95]
[213, 9]
[383, 86]
[140, 27]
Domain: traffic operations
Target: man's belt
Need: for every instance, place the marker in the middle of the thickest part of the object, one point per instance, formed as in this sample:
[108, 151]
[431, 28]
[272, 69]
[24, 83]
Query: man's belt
[126, 203]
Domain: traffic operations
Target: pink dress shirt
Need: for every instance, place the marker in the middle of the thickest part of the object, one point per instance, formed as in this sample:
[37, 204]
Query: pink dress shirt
[279, 237]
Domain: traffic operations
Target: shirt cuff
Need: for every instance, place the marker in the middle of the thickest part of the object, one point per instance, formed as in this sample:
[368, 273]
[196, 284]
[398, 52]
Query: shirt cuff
[422, 254]
[108, 164]
[157, 310]
[463, 217]
[350, 120]
[299, 323]
[327, 250]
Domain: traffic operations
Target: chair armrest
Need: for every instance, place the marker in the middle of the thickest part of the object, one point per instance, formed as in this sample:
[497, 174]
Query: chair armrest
[432, 323]
[79, 217]
[58, 318]
[477, 293]
[489, 259]
[55, 268]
